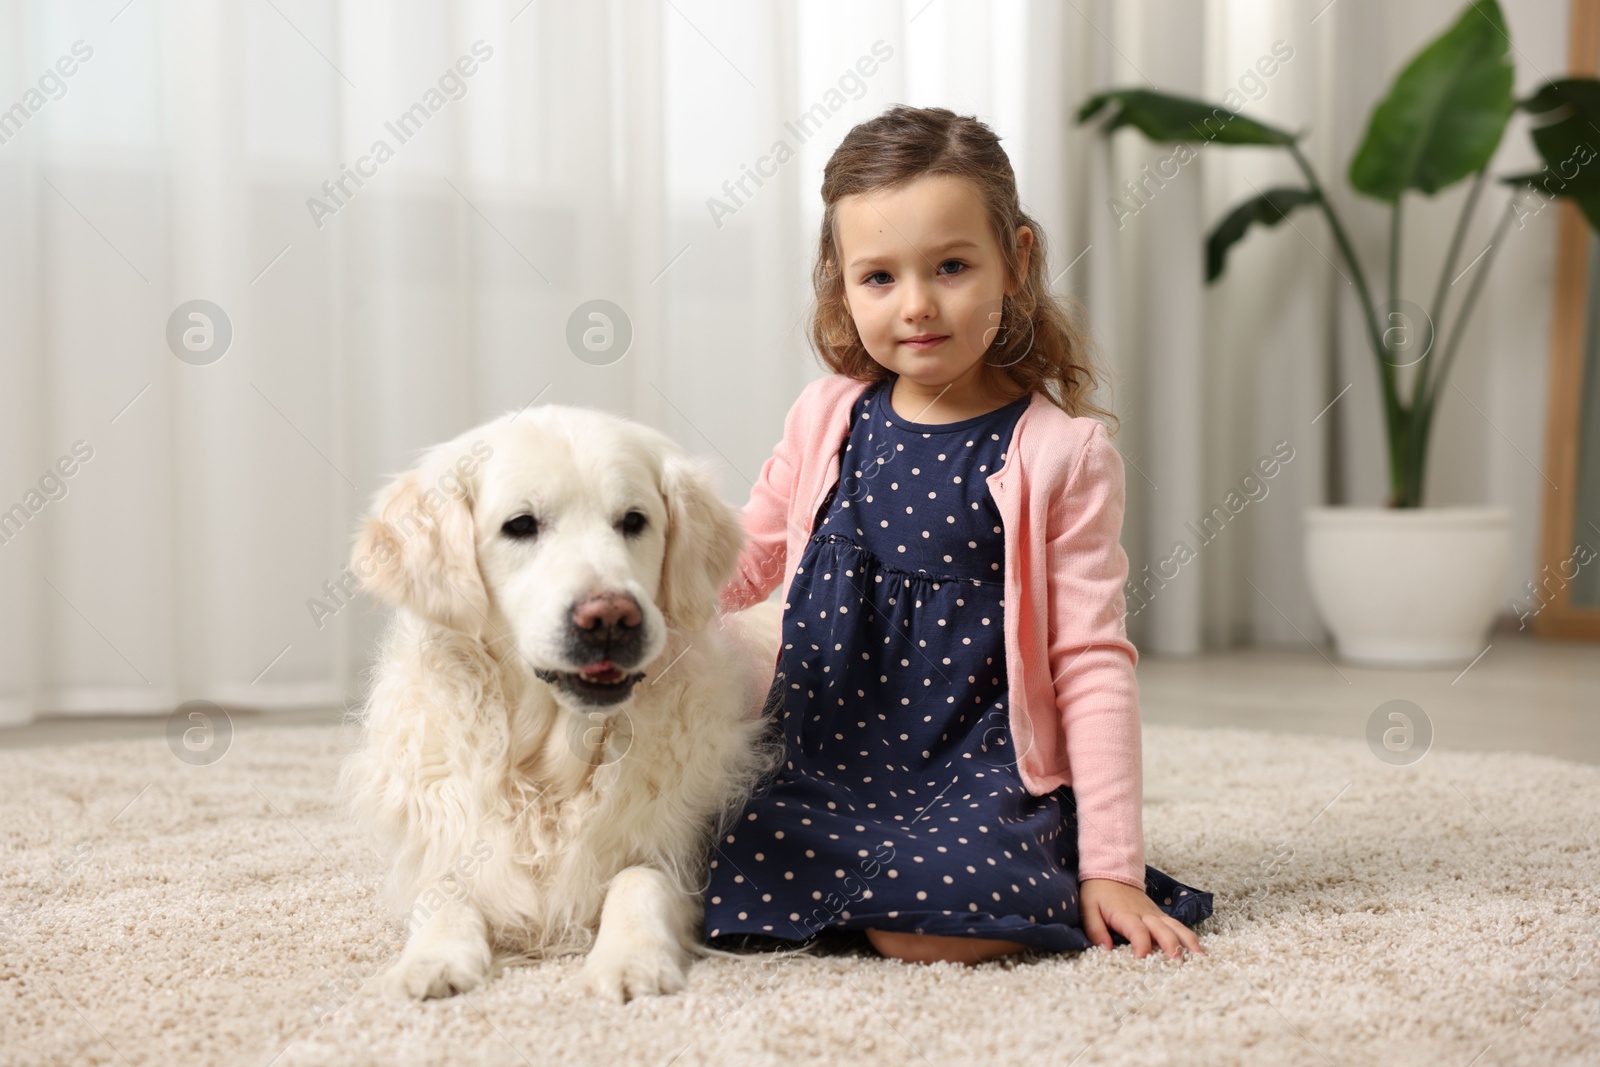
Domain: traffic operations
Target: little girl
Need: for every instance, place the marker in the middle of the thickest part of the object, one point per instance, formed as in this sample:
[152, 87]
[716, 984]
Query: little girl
[955, 687]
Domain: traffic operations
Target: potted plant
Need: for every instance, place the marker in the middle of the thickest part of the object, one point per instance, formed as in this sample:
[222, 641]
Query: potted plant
[1403, 583]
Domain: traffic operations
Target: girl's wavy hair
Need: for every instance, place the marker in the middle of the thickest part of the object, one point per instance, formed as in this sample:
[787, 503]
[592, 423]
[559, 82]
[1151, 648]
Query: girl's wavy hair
[1039, 345]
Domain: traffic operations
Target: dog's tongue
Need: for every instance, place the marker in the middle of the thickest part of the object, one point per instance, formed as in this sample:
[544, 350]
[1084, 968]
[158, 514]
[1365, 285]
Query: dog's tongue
[602, 671]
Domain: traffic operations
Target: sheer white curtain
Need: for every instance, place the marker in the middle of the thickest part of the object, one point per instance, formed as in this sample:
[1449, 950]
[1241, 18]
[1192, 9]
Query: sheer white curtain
[537, 156]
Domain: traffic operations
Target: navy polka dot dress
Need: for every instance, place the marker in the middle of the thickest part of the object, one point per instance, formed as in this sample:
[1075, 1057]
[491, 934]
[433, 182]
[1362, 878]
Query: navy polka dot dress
[899, 806]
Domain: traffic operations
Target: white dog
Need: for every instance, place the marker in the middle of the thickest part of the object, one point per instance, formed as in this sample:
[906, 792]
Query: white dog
[560, 720]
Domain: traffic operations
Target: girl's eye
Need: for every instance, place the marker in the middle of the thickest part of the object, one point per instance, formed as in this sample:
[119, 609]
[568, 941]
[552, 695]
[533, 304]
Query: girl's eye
[882, 277]
[520, 528]
[633, 522]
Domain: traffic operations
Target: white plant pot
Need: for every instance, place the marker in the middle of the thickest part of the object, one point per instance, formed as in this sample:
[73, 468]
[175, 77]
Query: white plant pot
[1408, 587]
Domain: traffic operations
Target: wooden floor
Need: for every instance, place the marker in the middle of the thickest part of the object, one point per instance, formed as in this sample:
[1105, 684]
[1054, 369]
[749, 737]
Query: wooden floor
[1522, 694]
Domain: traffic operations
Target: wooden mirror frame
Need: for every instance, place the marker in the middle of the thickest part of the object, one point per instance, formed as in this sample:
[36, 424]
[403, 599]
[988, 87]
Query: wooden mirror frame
[1558, 616]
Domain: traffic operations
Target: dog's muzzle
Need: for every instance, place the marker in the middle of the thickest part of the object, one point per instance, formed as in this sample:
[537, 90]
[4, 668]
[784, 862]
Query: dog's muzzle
[606, 636]
[597, 684]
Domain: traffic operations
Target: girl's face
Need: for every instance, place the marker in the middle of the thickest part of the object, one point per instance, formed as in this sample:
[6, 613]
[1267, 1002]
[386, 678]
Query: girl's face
[919, 261]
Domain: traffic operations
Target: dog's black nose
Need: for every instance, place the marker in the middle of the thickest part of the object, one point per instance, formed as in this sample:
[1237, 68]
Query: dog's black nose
[606, 617]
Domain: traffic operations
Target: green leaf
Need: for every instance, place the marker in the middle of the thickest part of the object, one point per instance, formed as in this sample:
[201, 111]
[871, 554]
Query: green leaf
[1445, 113]
[1567, 135]
[1268, 209]
[1164, 118]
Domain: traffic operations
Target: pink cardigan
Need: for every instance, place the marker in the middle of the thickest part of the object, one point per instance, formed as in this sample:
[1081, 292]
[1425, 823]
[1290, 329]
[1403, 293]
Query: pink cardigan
[1074, 703]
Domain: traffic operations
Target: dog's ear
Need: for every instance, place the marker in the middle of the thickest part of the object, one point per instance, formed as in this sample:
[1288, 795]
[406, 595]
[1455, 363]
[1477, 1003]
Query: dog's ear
[417, 548]
[704, 539]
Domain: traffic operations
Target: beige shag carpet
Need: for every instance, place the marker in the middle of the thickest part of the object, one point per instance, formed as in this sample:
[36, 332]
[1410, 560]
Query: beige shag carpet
[154, 912]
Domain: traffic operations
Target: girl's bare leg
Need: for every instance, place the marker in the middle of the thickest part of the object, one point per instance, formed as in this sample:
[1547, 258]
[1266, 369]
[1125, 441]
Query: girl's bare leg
[935, 948]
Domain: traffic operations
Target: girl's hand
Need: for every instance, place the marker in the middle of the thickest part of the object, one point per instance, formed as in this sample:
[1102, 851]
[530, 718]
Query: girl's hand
[1103, 902]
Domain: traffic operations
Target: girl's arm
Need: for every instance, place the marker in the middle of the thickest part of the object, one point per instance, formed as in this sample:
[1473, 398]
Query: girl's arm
[765, 519]
[1092, 662]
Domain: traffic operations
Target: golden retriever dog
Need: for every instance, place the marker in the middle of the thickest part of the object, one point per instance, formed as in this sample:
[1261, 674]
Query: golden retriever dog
[559, 720]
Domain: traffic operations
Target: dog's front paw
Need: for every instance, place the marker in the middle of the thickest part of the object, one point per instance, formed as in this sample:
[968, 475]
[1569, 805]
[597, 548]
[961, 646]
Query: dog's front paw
[442, 971]
[619, 972]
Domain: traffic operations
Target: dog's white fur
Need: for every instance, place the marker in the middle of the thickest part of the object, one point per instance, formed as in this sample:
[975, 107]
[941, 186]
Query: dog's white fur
[520, 822]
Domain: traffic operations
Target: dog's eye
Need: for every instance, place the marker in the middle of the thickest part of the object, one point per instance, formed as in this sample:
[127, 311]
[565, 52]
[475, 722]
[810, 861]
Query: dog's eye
[634, 521]
[520, 527]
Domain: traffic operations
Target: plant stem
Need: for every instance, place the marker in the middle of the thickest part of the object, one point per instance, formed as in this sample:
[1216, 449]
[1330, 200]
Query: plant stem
[1469, 302]
[1360, 278]
[1411, 464]
[1394, 414]
[1419, 425]
[1436, 313]
[1394, 254]
[1401, 426]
